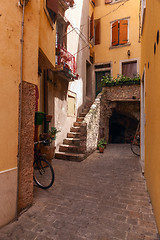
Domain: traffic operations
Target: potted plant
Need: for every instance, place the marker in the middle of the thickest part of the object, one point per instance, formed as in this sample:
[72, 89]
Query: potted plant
[48, 118]
[50, 135]
[101, 145]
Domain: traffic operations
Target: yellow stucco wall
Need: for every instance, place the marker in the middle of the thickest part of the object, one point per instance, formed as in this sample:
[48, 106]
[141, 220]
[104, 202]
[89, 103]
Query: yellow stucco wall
[9, 63]
[10, 55]
[10, 50]
[151, 62]
[47, 35]
[37, 33]
[109, 13]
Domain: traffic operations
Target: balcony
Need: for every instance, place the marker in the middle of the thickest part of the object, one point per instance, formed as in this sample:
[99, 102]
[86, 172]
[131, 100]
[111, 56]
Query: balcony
[65, 64]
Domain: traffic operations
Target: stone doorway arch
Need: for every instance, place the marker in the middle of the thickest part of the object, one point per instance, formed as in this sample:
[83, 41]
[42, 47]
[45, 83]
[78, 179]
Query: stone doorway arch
[121, 127]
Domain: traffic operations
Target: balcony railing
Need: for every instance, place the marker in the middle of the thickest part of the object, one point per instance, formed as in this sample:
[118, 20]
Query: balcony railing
[66, 59]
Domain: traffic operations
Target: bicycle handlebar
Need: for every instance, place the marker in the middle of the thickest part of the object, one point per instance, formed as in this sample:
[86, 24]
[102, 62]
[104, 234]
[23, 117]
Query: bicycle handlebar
[43, 141]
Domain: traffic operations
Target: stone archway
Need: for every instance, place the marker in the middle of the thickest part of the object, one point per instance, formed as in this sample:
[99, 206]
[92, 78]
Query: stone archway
[120, 113]
[121, 127]
[125, 100]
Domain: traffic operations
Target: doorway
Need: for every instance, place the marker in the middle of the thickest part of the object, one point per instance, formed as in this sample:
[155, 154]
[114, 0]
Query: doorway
[121, 128]
[101, 70]
[99, 76]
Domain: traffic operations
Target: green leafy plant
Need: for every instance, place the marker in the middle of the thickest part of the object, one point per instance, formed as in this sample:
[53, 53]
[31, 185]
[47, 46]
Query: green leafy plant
[102, 142]
[50, 135]
[120, 80]
[53, 133]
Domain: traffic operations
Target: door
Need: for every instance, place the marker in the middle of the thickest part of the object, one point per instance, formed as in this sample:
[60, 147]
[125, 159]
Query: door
[99, 76]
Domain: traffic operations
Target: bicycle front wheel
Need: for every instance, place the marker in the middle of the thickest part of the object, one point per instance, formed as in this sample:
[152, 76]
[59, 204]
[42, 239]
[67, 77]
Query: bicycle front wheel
[43, 173]
[135, 146]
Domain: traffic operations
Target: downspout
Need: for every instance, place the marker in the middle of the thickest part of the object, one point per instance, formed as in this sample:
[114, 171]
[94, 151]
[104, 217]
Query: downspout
[20, 106]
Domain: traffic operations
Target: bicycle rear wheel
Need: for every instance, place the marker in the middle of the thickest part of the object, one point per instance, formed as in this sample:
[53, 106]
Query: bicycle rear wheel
[43, 173]
[135, 146]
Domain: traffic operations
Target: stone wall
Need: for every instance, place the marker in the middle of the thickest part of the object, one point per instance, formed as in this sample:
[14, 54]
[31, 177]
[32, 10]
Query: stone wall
[127, 92]
[125, 99]
[90, 127]
[25, 168]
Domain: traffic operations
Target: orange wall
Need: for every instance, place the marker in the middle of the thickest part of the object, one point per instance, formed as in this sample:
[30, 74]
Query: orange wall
[47, 35]
[10, 55]
[151, 62]
[10, 52]
[109, 13]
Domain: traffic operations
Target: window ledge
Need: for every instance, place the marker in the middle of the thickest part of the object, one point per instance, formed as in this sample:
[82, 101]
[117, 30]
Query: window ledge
[119, 46]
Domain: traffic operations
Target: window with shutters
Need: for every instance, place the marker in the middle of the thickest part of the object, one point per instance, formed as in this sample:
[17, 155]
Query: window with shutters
[120, 32]
[97, 31]
[51, 10]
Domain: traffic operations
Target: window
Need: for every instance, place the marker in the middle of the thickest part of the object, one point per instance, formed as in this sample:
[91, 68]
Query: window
[91, 27]
[107, 1]
[61, 32]
[51, 10]
[129, 69]
[71, 104]
[112, 1]
[120, 32]
[97, 31]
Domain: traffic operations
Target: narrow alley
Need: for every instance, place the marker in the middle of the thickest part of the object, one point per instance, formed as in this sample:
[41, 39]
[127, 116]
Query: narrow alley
[103, 197]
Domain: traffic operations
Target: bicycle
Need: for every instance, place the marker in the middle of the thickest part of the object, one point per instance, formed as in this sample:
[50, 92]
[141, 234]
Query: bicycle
[43, 173]
[135, 143]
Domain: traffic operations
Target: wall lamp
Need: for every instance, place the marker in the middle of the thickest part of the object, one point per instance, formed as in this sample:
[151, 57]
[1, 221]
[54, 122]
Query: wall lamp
[128, 53]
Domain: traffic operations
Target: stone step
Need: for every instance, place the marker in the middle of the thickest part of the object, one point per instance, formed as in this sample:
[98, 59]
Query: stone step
[73, 135]
[69, 148]
[82, 114]
[72, 141]
[79, 119]
[85, 111]
[75, 129]
[69, 156]
[77, 124]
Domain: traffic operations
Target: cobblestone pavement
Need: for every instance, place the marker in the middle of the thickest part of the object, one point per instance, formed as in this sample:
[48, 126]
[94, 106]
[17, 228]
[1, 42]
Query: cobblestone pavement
[101, 198]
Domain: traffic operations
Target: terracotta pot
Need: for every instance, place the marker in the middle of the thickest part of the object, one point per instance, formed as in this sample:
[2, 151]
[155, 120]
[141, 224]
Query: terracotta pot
[48, 118]
[101, 149]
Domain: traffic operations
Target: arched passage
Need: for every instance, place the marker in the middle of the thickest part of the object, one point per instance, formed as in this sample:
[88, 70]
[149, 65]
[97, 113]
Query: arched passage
[121, 127]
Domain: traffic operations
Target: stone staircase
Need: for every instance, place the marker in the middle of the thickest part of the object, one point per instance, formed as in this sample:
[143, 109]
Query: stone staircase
[70, 150]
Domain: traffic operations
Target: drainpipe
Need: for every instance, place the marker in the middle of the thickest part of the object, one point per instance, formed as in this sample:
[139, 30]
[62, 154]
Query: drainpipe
[20, 104]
